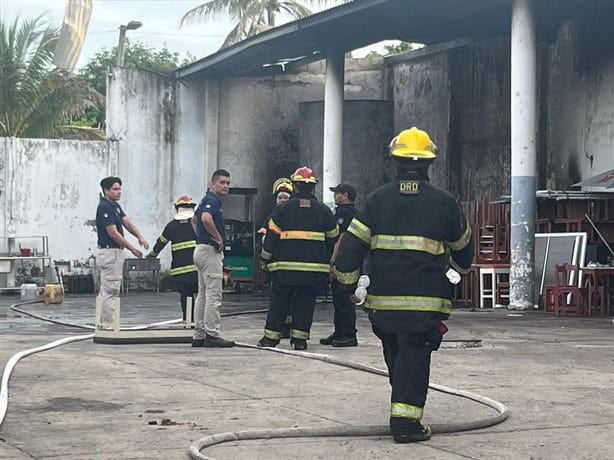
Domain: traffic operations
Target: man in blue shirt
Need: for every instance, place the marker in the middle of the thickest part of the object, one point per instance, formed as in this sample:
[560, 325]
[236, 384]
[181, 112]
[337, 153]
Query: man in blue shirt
[208, 223]
[110, 223]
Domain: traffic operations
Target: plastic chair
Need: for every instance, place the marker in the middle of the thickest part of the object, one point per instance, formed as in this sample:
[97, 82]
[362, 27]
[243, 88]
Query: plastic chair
[568, 296]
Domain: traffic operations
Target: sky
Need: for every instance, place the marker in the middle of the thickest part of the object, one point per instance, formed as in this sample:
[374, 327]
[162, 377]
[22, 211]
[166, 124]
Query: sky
[160, 20]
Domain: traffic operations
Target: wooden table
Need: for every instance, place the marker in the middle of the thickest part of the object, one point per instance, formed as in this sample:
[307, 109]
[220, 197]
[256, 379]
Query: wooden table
[600, 283]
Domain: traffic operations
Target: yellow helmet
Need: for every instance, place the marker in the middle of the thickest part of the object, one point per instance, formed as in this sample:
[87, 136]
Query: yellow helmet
[413, 144]
[283, 184]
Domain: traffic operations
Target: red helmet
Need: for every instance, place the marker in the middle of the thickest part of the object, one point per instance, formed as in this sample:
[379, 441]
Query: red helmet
[185, 200]
[305, 175]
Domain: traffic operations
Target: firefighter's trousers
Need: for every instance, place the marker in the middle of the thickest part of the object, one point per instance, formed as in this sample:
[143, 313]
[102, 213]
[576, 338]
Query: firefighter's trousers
[345, 312]
[187, 286]
[407, 352]
[295, 301]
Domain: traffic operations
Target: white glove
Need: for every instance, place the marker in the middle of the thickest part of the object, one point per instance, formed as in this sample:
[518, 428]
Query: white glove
[453, 276]
[361, 290]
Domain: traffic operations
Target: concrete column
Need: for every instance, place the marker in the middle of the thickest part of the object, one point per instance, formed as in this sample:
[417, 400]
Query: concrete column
[524, 164]
[5, 184]
[211, 131]
[332, 163]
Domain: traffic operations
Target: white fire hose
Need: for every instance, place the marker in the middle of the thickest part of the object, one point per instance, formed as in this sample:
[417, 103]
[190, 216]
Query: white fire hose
[208, 441]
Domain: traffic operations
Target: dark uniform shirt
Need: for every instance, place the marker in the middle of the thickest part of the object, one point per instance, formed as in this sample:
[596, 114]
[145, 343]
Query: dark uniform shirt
[212, 205]
[344, 213]
[108, 213]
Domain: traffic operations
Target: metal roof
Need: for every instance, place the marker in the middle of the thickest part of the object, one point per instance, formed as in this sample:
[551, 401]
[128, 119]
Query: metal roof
[363, 22]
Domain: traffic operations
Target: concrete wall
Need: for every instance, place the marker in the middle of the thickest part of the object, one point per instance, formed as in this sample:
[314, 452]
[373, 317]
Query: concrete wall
[52, 190]
[479, 152]
[421, 95]
[172, 135]
[158, 125]
[580, 102]
[460, 94]
[367, 130]
[259, 123]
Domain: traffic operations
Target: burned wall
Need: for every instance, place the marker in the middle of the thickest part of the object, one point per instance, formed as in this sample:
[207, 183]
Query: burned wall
[259, 123]
[367, 130]
[479, 161]
[580, 100]
[421, 95]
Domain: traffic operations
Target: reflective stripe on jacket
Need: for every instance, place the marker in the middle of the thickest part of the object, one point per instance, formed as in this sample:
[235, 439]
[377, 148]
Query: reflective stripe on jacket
[299, 242]
[411, 240]
[183, 241]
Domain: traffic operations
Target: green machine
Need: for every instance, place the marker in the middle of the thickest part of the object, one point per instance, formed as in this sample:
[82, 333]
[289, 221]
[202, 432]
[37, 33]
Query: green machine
[240, 243]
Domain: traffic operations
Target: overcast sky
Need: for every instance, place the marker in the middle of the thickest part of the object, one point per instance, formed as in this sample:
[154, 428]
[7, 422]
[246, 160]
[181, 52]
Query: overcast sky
[160, 20]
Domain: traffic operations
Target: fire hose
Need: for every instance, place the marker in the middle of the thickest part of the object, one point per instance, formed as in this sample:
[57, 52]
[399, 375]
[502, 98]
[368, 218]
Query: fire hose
[298, 432]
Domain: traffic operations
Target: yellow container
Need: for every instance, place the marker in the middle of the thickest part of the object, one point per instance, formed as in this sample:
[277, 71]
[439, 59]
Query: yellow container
[53, 293]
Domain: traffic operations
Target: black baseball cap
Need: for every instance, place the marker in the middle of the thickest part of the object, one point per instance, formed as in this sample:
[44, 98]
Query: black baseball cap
[345, 187]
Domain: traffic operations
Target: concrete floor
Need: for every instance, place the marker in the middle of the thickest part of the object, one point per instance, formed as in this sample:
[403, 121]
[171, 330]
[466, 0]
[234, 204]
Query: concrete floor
[92, 401]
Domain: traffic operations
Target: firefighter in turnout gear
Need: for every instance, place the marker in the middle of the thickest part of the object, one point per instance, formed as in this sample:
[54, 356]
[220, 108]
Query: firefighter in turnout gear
[413, 232]
[180, 233]
[297, 250]
[282, 192]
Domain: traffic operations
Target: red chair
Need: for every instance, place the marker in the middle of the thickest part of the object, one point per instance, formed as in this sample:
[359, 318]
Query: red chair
[568, 296]
[549, 298]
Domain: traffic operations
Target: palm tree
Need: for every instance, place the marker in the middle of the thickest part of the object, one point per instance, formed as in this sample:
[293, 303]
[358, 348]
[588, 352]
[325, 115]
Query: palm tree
[250, 16]
[34, 98]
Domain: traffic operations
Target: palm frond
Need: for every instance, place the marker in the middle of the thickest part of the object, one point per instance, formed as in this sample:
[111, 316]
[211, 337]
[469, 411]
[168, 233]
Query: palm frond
[295, 9]
[68, 96]
[248, 14]
[33, 98]
[215, 9]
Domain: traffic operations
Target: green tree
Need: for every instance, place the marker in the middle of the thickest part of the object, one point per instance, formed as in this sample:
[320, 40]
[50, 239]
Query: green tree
[136, 55]
[35, 99]
[250, 16]
[399, 48]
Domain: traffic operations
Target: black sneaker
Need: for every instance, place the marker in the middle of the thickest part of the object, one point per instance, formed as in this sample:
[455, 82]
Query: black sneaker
[217, 342]
[266, 342]
[345, 342]
[327, 340]
[406, 430]
[299, 344]
[198, 342]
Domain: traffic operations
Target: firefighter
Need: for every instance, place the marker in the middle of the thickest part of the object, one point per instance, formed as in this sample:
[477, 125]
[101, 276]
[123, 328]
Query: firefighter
[282, 192]
[297, 250]
[413, 232]
[181, 235]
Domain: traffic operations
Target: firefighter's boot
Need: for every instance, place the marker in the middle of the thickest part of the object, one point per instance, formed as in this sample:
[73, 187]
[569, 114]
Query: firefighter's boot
[266, 342]
[299, 344]
[405, 430]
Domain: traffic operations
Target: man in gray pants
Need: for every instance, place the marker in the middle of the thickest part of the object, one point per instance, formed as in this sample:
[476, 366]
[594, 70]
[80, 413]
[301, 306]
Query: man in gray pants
[208, 223]
[110, 223]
